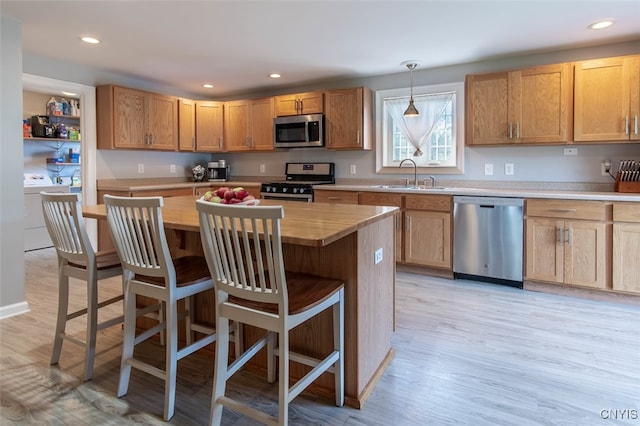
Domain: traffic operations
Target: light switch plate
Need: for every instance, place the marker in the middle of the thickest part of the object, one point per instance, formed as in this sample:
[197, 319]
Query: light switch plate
[488, 169]
[570, 151]
[377, 256]
[508, 169]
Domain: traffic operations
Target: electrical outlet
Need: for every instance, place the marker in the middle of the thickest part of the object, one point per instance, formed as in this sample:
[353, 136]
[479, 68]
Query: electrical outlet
[172, 168]
[140, 168]
[377, 256]
[508, 169]
[605, 167]
[570, 151]
[488, 169]
[262, 168]
[352, 169]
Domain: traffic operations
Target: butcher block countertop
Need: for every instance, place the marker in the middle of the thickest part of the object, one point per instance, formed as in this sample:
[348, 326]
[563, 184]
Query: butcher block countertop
[307, 224]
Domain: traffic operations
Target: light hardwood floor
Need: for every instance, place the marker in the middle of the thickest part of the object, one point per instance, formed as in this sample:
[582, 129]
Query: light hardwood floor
[467, 353]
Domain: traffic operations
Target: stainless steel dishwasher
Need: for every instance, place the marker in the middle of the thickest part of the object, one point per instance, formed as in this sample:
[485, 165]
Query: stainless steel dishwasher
[488, 239]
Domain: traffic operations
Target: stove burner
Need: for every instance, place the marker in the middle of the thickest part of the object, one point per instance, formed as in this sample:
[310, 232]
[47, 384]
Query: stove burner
[299, 181]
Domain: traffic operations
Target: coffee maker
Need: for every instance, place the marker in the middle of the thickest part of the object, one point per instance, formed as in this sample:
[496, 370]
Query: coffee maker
[217, 171]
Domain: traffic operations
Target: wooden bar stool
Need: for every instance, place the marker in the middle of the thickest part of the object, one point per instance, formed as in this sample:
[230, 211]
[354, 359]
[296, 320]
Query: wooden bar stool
[77, 259]
[137, 230]
[243, 248]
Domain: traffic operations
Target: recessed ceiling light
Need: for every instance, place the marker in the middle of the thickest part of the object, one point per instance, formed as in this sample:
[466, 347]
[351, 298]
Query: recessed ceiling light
[601, 24]
[69, 94]
[275, 75]
[90, 40]
[208, 86]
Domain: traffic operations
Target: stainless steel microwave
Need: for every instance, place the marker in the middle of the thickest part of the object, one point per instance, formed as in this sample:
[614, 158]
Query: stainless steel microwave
[298, 131]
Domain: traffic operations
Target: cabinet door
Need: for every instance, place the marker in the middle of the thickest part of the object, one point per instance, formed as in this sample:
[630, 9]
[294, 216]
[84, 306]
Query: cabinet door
[386, 199]
[585, 257]
[262, 114]
[428, 238]
[544, 250]
[129, 118]
[602, 97]
[209, 126]
[626, 246]
[186, 125]
[347, 119]
[540, 103]
[299, 103]
[163, 121]
[487, 114]
[236, 126]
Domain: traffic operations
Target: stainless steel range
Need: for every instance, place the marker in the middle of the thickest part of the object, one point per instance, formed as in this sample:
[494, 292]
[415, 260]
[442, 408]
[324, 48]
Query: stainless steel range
[299, 181]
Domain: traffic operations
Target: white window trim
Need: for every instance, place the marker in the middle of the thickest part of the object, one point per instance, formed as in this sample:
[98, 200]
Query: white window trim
[458, 87]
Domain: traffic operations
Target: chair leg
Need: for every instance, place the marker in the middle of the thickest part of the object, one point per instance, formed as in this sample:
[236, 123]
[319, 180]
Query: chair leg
[283, 377]
[92, 324]
[220, 371]
[271, 357]
[171, 359]
[128, 342]
[338, 345]
[188, 306]
[61, 322]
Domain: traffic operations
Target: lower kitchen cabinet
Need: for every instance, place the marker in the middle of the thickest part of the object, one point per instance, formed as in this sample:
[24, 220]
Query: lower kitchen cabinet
[568, 242]
[427, 236]
[626, 246]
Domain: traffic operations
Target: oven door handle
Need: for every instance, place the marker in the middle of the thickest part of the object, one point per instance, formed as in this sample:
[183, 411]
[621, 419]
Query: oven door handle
[293, 197]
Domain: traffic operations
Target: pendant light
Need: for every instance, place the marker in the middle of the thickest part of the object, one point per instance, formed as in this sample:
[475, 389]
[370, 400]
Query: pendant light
[411, 110]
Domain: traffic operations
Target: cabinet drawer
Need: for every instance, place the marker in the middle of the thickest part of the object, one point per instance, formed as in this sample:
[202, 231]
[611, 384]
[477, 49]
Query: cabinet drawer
[380, 199]
[591, 210]
[343, 197]
[626, 212]
[440, 203]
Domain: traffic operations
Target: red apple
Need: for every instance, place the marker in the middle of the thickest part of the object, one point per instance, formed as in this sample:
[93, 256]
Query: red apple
[235, 201]
[220, 191]
[241, 194]
[223, 201]
[248, 198]
[229, 195]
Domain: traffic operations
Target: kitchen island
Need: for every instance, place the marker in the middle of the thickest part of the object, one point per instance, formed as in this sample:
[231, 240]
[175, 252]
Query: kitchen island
[330, 240]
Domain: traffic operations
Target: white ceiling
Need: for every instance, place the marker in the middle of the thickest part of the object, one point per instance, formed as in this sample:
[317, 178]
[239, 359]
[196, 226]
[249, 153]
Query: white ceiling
[236, 44]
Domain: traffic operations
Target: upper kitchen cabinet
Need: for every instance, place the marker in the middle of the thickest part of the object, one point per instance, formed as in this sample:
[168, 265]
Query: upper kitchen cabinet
[528, 106]
[607, 99]
[134, 119]
[300, 103]
[201, 125]
[248, 125]
[348, 119]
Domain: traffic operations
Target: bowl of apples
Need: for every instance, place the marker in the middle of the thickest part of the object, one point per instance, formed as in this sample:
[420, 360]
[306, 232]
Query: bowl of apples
[236, 196]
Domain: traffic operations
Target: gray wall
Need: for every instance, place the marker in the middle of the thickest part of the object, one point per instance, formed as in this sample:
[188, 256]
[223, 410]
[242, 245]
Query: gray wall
[532, 163]
[12, 296]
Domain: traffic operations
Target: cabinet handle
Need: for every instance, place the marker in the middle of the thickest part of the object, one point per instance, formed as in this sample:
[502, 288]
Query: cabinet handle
[517, 130]
[510, 130]
[193, 142]
[626, 125]
[569, 236]
[635, 124]
[220, 142]
[334, 198]
[559, 234]
[358, 137]
[150, 138]
[563, 210]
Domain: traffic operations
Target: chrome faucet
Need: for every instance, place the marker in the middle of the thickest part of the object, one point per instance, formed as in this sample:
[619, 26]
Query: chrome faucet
[432, 179]
[415, 170]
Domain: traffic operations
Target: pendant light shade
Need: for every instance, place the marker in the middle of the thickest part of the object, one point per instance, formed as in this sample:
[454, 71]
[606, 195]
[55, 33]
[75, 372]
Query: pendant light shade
[411, 110]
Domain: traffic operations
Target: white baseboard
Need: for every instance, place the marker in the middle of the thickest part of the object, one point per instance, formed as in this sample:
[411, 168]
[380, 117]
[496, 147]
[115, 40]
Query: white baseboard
[13, 310]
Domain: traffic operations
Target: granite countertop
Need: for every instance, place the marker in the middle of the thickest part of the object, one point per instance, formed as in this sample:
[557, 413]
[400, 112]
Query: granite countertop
[553, 190]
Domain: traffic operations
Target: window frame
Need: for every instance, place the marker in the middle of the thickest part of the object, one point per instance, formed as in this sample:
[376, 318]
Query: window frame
[381, 127]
